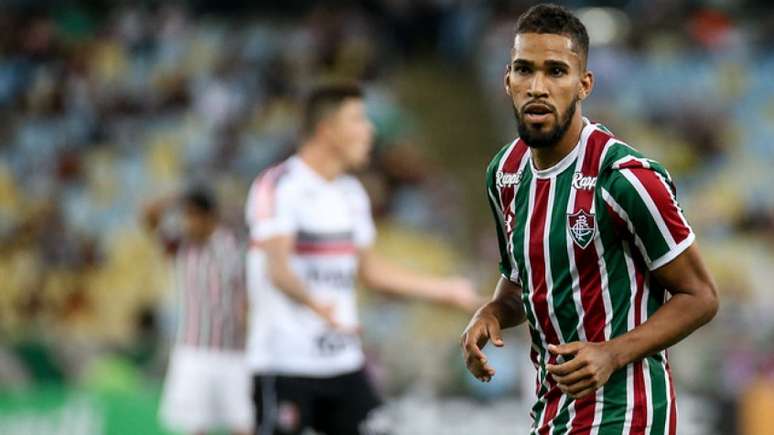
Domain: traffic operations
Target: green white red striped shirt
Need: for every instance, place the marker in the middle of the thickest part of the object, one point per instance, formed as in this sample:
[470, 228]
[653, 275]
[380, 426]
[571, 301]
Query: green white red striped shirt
[581, 238]
[211, 292]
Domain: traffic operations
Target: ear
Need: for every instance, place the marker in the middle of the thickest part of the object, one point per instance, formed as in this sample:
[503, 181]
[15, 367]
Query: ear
[507, 79]
[586, 85]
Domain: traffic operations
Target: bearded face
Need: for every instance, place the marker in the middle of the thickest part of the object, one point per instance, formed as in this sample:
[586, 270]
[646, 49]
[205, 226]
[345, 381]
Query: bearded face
[546, 80]
[541, 125]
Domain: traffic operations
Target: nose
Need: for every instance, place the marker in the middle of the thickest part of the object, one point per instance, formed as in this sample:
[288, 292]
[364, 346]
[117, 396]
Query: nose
[537, 87]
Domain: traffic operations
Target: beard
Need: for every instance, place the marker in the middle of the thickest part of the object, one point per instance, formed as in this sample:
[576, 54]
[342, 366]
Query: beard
[537, 139]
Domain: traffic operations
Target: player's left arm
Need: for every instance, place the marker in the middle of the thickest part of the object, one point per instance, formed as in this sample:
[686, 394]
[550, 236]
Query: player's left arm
[384, 275]
[694, 302]
[381, 274]
[640, 196]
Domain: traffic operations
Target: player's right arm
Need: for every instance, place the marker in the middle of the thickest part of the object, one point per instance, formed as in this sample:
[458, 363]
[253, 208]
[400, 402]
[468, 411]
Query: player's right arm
[271, 213]
[278, 251]
[505, 310]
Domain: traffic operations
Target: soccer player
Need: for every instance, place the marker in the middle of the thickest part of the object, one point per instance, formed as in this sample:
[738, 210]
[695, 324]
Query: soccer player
[207, 386]
[596, 254]
[311, 235]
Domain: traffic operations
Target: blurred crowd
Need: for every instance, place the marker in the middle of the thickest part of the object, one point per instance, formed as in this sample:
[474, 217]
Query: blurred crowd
[104, 114]
[105, 109]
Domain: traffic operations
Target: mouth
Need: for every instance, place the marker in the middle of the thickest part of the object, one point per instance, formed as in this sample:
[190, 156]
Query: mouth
[537, 113]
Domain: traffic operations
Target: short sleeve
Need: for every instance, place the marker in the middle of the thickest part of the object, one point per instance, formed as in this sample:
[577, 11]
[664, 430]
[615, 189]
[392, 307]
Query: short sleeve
[271, 208]
[641, 197]
[505, 266]
[365, 230]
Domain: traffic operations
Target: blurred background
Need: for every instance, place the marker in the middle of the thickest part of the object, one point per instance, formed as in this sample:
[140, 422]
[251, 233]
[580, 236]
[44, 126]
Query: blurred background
[106, 105]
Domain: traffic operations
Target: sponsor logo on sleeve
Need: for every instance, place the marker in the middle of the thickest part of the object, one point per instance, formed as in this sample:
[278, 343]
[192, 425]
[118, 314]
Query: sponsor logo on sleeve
[508, 179]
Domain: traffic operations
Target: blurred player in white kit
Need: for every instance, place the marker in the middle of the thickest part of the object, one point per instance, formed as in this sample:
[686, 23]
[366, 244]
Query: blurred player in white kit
[311, 236]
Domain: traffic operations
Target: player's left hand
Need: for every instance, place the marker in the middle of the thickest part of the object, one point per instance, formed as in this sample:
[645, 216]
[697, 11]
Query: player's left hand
[588, 366]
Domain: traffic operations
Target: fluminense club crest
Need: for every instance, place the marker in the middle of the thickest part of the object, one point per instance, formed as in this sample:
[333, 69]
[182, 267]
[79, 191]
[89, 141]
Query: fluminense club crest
[582, 227]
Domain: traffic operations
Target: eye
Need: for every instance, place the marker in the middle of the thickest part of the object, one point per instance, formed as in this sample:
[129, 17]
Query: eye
[557, 71]
[521, 69]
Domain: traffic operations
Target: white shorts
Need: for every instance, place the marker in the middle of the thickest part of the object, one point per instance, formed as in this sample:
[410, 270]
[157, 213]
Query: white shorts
[207, 390]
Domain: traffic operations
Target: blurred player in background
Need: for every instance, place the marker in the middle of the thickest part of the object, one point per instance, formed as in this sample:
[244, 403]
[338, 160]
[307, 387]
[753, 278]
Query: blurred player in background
[596, 253]
[207, 385]
[311, 236]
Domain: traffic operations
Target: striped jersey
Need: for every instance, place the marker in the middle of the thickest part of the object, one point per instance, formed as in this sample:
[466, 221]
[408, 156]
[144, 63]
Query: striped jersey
[211, 290]
[581, 238]
[329, 221]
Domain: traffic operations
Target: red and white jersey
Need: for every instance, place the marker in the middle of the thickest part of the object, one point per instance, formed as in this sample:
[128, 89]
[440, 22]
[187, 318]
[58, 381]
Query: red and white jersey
[330, 222]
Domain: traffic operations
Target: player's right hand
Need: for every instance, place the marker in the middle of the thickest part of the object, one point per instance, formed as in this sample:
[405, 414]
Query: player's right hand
[482, 328]
[328, 313]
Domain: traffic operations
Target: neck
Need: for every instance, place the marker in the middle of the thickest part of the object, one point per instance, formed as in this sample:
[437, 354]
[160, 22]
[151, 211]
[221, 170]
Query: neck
[323, 162]
[544, 158]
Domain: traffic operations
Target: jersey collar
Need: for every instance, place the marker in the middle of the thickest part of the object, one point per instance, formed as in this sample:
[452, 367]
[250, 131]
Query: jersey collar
[567, 160]
[308, 171]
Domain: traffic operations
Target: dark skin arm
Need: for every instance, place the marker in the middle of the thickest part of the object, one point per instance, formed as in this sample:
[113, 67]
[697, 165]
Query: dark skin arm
[505, 310]
[694, 302]
[151, 217]
[153, 211]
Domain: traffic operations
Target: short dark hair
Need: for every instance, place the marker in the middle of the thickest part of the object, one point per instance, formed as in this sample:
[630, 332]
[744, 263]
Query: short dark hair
[201, 200]
[324, 100]
[554, 19]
